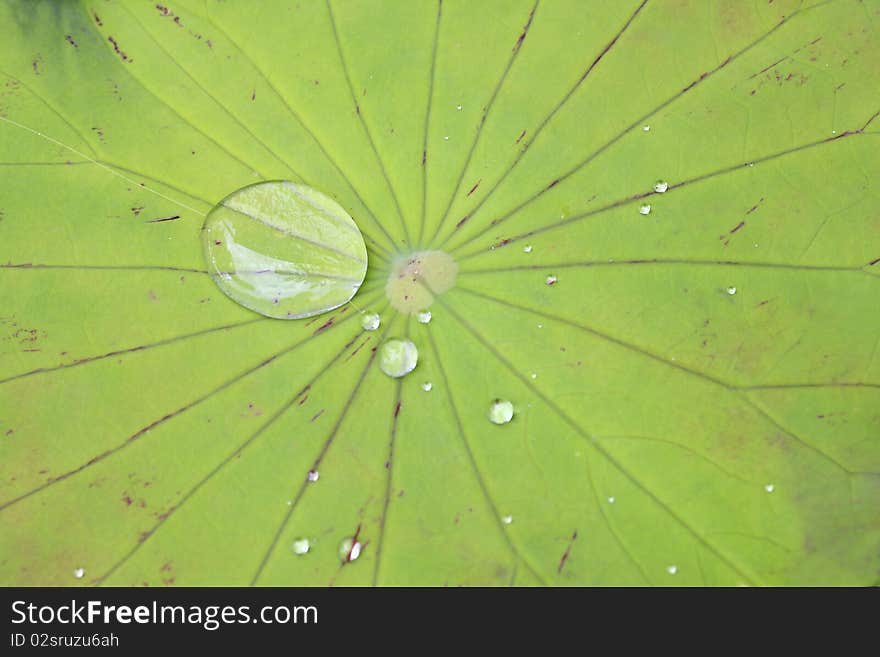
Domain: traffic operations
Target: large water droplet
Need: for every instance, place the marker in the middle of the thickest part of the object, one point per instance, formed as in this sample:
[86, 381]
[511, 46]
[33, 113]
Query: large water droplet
[370, 321]
[284, 250]
[501, 411]
[301, 546]
[398, 357]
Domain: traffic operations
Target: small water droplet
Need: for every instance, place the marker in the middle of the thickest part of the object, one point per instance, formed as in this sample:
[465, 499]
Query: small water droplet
[672, 570]
[551, 280]
[424, 317]
[501, 412]
[350, 550]
[540, 326]
[371, 321]
[314, 475]
[731, 290]
[751, 164]
[661, 186]
[834, 132]
[646, 128]
[533, 375]
[458, 107]
[769, 488]
[79, 572]
[507, 520]
[427, 385]
[284, 250]
[398, 357]
[527, 248]
[645, 209]
[446, 138]
[301, 546]
[611, 500]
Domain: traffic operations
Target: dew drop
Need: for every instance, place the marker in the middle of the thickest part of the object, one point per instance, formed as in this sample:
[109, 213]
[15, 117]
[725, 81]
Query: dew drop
[314, 475]
[398, 357]
[500, 412]
[661, 186]
[507, 520]
[646, 128]
[527, 248]
[424, 317]
[533, 375]
[79, 573]
[458, 107]
[301, 546]
[769, 488]
[350, 550]
[611, 500]
[370, 321]
[551, 280]
[672, 569]
[540, 326]
[645, 209]
[427, 385]
[284, 250]
[731, 290]
[446, 138]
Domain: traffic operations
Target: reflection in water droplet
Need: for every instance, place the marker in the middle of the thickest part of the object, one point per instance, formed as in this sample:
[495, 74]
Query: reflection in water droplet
[661, 186]
[645, 209]
[284, 250]
[398, 357]
[646, 128]
[79, 572]
[501, 411]
[415, 279]
[533, 375]
[458, 107]
[611, 500]
[446, 138]
[350, 550]
[370, 321]
[314, 475]
[672, 570]
[424, 316]
[527, 248]
[769, 488]
[507, 520]
[427, 385]
[301, 546]
[731, 290]
[551, 280]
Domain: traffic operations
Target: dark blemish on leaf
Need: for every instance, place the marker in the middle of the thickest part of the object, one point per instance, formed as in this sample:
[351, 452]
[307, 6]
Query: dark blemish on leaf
[522, 37]
[521, 135]
[424, 157]
[767, 68]
[552, 185]
[119, 51]
[99, 132]
[323, 327]
[503, 242]
[397, 409]
[70, 40]
[137, 210]
[35, 64]
[874, 262]
[566, 553]
[164, 10]
[9, 432]
[97, 19]
[357, 108]
[462, 221]
[737, 227]
[755, 206]
[316, 415]
[166, 567]
[302, 401]
[158, 221]
[127, 499]
[177, 20]
[474, 188]
[254, 95]
[217, 242]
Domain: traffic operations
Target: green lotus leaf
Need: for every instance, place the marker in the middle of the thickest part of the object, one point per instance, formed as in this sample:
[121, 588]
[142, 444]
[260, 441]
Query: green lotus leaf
[646, 233]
